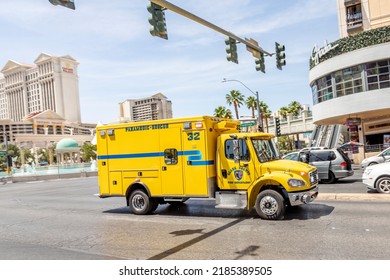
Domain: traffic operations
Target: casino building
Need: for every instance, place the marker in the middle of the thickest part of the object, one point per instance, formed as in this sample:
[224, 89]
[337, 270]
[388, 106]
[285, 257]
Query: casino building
[39, 103]
[350, 78]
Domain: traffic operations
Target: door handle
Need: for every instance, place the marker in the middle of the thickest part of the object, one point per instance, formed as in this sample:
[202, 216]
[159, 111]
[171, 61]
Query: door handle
[224, 173]
[164, 168]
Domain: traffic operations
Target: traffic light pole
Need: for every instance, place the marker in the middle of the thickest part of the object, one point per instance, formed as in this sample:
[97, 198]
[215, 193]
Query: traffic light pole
[260, 126]
[197, 19]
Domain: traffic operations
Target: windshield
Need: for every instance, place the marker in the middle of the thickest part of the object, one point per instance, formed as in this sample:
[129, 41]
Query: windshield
[265, 150]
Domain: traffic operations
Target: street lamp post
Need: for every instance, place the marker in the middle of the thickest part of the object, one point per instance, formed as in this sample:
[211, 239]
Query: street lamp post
[259, 127]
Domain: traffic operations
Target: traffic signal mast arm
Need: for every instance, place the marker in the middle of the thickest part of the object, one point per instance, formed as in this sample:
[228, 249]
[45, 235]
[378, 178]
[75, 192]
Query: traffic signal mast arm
[197, 19]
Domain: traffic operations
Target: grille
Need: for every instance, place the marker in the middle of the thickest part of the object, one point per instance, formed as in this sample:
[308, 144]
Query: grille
[313, 178]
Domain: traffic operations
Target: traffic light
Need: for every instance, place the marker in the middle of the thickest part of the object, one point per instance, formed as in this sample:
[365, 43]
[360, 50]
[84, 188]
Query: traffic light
[231, 50]
[66, 3]
[277, 127]
[157, 20]
[260, 66]
[280, 55]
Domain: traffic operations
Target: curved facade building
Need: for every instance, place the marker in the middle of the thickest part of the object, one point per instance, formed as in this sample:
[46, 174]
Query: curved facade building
[350, 78]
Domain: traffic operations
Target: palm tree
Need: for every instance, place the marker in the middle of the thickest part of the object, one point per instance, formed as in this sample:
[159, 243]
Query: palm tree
[284, 111]
[236, 98]
[267, 116]
[251, 103]
[222, 112]
[263, 109]
[295, 108]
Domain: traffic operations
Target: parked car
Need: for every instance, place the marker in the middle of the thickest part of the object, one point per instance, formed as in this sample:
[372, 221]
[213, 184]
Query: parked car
[379, 158]
[377, 177]
[332, 164]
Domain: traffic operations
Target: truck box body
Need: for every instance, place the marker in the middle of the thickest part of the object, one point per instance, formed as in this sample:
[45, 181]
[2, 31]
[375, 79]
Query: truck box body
[170, 160]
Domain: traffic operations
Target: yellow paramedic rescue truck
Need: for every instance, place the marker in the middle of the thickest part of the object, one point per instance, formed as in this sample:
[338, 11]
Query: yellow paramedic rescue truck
[172, 160]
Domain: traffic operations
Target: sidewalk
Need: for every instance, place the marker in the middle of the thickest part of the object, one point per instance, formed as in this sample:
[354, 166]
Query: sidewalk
[375, 197]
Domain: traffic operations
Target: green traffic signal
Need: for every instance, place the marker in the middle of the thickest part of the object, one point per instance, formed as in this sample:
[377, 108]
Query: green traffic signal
[280, 55]
[277, 127]
[260, 65]
[157, 21]
[231, 50]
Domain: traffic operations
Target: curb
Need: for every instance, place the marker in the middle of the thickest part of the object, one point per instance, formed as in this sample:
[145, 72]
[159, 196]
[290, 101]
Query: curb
[378, 197]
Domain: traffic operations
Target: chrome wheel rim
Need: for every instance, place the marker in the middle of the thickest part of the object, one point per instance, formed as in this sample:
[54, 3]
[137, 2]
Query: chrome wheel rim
[384, 186]
[269, 205]
[138, 202]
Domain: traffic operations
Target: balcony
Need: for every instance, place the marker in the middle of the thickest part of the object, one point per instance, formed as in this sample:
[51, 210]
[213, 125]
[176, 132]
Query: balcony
[354, 22]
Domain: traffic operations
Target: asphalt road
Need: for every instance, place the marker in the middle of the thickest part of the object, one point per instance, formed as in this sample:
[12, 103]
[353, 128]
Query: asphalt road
[64, 219]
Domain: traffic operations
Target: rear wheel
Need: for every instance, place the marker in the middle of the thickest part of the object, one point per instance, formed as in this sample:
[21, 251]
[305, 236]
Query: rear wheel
[140, 204]
[383, 185]
[270, 205]
[331, 179]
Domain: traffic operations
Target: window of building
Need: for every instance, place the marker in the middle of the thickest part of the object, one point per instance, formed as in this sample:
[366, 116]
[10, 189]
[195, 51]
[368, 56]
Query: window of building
[378, 75]
[349, 81]
[354, 16]
[322, 89]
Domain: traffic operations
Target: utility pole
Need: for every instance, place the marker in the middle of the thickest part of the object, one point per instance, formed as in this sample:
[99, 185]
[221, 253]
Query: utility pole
[259, 124]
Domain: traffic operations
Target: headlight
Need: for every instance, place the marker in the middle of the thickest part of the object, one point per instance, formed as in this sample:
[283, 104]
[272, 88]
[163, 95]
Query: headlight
[296, 183]
[367, 171]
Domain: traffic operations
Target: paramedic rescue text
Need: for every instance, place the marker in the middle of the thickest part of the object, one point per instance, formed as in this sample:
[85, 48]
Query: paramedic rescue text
[213, 271]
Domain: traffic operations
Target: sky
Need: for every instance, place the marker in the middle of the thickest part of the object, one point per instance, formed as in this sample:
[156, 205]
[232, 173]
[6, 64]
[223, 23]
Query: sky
[119, 59]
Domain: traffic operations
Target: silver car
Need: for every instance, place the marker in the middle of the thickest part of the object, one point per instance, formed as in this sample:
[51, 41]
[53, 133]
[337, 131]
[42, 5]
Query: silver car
[379, 158]
[332, 164]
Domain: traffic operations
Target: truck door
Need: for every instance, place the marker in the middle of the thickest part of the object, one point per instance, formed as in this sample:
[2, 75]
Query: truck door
[103, 170]
[236, 170]
[172, 163]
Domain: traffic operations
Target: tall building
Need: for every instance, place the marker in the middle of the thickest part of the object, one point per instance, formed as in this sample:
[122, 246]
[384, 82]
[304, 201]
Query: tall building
[50, 84]
[359, 15]
[39, 104]
[350, 78]
[154, 107]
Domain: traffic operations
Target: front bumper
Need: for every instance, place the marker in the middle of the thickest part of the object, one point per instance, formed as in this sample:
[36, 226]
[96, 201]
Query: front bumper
[369, 182]
[305, 197]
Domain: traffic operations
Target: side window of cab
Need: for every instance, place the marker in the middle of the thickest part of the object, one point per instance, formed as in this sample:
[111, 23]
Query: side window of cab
[243, 150]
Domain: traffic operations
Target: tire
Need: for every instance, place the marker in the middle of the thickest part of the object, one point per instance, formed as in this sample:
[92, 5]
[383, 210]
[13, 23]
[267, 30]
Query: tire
[383, 185]
[331, 179]
[139, 203]
[270, 205]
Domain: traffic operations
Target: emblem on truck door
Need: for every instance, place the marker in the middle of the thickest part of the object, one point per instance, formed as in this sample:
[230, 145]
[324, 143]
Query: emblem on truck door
[238, 174]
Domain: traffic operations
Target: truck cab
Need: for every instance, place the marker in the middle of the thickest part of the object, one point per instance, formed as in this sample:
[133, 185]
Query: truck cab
[251, 174]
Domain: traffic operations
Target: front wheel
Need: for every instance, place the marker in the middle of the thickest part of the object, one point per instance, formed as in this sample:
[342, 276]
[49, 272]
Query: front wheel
[270, 205]
[139, 203]
[383, 185]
